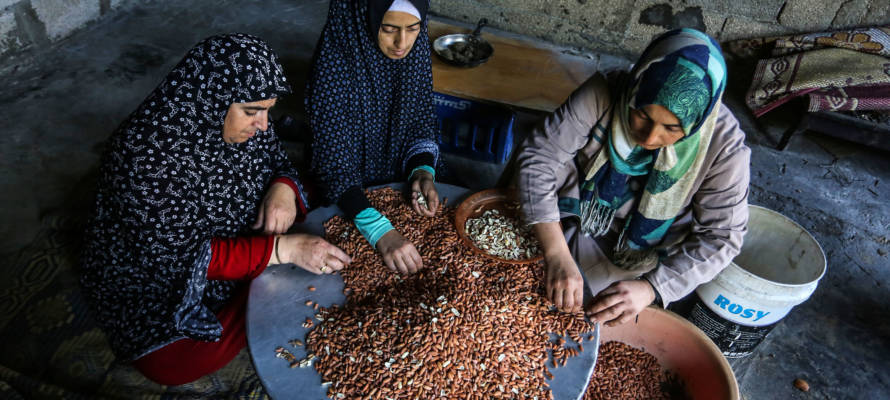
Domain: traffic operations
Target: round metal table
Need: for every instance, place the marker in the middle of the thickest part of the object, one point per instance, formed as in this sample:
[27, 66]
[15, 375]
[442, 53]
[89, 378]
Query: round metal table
[276, 311]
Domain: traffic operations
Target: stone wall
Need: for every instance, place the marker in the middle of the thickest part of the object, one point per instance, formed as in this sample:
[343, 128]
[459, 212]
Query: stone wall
[617, 27]
[28, 24]
[625, 27]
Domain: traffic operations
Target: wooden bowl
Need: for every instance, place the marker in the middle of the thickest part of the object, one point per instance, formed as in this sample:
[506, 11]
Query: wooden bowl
[503, 200]
[681, 348]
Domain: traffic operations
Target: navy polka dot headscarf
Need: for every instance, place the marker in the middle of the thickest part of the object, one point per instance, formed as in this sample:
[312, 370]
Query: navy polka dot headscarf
[168, 184]
[369, 114]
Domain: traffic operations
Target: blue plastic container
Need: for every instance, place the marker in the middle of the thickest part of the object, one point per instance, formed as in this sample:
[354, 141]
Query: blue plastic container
[475, 130]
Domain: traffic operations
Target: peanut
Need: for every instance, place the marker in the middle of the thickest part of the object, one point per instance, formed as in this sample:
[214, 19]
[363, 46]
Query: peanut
[802, 385]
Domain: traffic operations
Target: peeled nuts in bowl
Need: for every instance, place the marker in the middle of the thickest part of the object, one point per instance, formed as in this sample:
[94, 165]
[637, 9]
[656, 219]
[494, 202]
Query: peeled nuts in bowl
[488, 222]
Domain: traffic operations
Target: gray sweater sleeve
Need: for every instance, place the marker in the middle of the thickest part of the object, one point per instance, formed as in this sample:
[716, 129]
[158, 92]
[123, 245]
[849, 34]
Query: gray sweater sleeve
[552, 145]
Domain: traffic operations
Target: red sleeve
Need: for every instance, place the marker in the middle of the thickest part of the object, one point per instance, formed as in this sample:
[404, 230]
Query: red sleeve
[302, 207]
[238, 258]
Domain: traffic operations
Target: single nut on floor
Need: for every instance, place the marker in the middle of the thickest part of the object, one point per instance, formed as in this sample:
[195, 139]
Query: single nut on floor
[802, 385]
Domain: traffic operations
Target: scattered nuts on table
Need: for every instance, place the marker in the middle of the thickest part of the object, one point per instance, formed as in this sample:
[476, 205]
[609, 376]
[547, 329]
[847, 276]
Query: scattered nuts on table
[442, 332]
[464, 327]
[282, 353]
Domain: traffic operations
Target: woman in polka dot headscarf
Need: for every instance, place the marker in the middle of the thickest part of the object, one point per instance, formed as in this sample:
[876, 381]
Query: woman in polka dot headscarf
[371, 113]
[194, 191]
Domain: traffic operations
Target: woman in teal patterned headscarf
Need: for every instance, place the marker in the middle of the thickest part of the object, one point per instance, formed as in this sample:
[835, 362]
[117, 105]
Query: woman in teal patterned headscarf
[681, 73]
[658, 186]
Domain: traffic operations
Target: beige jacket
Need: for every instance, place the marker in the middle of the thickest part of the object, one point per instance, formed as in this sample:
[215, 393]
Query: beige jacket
[703, 240]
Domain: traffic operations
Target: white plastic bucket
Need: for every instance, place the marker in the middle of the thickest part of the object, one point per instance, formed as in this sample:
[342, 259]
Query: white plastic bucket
[779, 266]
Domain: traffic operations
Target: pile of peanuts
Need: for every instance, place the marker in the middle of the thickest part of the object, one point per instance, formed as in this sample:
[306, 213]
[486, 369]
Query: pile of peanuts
[464, 327]
[624, 372]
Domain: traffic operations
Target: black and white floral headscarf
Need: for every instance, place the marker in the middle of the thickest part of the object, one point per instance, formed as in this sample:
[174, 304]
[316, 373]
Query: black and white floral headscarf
[369, 114]
[168, 184]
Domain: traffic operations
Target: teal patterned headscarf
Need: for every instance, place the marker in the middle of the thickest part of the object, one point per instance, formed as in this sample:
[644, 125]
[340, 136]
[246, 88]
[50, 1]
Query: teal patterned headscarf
[682, 70]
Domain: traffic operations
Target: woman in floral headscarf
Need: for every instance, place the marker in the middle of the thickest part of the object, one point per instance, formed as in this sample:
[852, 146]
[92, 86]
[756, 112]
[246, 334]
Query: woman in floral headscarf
[185, 183]
[647, 173]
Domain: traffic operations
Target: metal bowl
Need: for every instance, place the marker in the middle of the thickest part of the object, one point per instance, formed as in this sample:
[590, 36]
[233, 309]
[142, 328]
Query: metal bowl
[464, 50]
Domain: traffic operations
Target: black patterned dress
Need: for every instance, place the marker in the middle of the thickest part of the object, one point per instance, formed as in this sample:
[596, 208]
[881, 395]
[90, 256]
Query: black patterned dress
[168, 185]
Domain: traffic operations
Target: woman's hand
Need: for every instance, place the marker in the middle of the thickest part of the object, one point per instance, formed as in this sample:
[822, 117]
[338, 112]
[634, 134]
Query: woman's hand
[564, 285]
[422, 184]
[311, 253]
[563, 282]
[621, 302]
[398, 253]
[278, 210]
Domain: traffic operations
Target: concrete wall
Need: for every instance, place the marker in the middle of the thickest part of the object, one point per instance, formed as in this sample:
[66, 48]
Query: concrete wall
[625, 27]
[618, 27]
[26, 24]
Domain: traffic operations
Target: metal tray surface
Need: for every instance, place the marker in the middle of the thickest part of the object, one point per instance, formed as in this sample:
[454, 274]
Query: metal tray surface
[276, 312]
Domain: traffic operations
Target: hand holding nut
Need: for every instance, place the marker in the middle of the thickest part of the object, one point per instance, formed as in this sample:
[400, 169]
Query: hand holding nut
[312, 253]
[621, 302]
[424, 196]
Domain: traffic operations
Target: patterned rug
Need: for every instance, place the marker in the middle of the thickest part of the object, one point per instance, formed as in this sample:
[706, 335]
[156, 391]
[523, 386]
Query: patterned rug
[50, 347]
[838, 71]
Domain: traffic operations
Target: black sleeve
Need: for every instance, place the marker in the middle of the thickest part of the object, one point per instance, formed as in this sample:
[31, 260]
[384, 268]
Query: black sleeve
[418, 160]
[353, 201]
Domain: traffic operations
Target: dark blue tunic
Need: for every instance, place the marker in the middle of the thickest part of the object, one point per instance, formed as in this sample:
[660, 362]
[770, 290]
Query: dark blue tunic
[372, 117]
